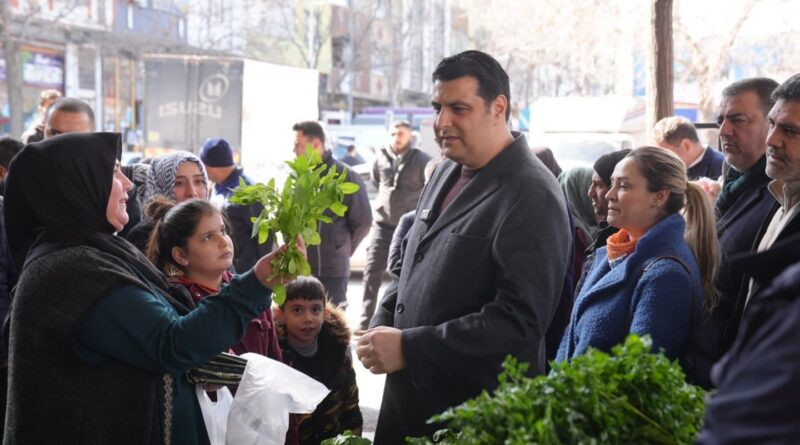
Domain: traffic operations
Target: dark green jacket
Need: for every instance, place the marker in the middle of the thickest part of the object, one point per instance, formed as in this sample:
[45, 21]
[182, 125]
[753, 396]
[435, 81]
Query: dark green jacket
[96, 358]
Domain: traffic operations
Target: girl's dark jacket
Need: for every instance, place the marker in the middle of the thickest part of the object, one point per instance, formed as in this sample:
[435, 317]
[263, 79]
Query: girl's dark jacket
[339, 411]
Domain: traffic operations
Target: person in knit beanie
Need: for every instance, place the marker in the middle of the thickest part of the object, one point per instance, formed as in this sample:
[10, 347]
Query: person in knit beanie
[217, 155]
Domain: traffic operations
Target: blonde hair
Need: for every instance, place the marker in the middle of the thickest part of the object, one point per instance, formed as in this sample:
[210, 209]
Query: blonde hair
[674, 129]
[664, 170]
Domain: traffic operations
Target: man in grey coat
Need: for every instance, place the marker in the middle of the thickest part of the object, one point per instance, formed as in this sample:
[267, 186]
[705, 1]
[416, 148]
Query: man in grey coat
[483, 265]
[399, 174]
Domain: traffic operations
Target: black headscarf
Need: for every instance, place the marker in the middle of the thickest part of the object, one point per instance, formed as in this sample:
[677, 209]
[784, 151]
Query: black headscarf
[604, 165]
[57, 193]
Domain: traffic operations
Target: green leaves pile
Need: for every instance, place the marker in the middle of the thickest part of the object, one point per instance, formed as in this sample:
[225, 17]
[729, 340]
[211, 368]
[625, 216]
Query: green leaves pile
[629, 396]
[348, 438]
[296, 210]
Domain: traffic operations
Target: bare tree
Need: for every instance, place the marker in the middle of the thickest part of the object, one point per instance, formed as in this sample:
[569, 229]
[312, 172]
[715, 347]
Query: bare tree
[709, 53]
[392, 47]
[280, 27]
[553, 48]
[355, 45]
[13, 33]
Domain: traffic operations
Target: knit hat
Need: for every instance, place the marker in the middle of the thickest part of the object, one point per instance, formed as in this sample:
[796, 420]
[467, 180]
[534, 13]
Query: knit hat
[217, 153]
[604, 165]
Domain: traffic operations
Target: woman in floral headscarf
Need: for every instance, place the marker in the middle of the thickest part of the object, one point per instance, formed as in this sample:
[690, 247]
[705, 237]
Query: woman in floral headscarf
[178, 176]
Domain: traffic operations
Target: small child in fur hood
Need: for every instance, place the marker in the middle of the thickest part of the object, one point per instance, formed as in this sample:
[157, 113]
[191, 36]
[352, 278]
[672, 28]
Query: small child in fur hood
[315, 339]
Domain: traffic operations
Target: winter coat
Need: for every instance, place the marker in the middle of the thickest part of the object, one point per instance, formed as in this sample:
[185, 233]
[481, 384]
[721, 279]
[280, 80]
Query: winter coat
[478, 282]
[102, 339]
[399, 183]
[739, 229]
[645, 293]
[225, 188]
[339, 411]
[708, 167]
[340, 238]
[758, 380]
[8, 278]
[260, 335]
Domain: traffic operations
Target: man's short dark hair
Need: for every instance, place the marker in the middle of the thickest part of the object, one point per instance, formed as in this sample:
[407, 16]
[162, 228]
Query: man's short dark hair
[788, 90]
[305, 288]
[674, 129]
[310, 129]
[762, 86]
[351, 148]
[8, 148]
[492, 78]
[403, 124]
[71, 105]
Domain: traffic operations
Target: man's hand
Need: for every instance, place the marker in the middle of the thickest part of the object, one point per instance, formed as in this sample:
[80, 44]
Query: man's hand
[710, 186]
[380, 350]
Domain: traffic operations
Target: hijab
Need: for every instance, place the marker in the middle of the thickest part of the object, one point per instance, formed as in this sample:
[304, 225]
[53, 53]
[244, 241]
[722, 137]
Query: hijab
[162, 172]
[57, 196]
[575, 184]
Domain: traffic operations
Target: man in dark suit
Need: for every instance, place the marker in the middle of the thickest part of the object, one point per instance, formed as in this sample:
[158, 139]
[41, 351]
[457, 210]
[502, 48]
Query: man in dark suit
[758, 380]
[482, 266]
[678, 135]
[743, 205]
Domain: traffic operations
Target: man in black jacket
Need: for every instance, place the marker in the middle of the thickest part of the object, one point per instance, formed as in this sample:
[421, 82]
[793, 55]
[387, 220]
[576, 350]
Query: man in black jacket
[678, 135]
[758, 380]
[743, 206]
[330, 261]
[399, 174]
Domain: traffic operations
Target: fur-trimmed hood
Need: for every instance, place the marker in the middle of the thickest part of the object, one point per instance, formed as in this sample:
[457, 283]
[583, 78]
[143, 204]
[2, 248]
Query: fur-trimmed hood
[334, 325]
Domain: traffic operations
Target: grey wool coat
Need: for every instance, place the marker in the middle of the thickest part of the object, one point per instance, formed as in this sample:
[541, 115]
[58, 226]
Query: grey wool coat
[477, 282]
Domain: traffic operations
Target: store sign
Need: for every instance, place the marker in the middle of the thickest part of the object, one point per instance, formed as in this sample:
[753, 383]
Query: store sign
[38, 69]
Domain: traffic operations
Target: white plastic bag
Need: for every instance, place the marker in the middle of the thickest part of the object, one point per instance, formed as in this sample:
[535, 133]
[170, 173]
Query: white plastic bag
[215, 414]
[269, 391]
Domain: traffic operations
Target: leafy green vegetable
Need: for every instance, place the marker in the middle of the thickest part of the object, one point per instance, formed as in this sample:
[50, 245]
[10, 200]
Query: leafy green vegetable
[346, 439]
[629, 396]
[308, 192]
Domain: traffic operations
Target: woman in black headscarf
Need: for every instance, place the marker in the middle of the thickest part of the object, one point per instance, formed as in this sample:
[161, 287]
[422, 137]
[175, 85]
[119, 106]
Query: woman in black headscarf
[98, 347]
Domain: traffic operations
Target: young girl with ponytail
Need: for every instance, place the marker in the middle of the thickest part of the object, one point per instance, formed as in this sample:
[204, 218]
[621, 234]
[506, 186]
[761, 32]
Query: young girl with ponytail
[655, 276]
[191, 244]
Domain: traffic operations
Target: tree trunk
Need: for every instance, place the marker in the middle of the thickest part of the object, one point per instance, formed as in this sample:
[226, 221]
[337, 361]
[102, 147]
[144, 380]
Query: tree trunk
[351, 69]
[660, 60]
[13, 71]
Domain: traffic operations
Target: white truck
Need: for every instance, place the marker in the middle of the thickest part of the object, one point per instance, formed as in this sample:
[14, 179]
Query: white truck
[580, 129]
[249, 103]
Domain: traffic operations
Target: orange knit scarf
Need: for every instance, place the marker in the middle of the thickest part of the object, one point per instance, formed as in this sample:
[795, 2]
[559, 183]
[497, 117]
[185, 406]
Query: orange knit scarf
[620, 244]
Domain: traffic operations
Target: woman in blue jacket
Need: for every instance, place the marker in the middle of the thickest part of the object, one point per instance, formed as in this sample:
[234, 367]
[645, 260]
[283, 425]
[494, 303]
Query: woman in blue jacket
[652, 277]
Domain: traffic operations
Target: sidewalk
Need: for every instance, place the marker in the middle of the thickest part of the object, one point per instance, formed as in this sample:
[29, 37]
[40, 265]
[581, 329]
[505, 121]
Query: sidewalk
[370, 386]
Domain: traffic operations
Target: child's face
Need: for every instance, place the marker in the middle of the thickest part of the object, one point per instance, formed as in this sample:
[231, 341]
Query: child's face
[303, 320]
[209, 251]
